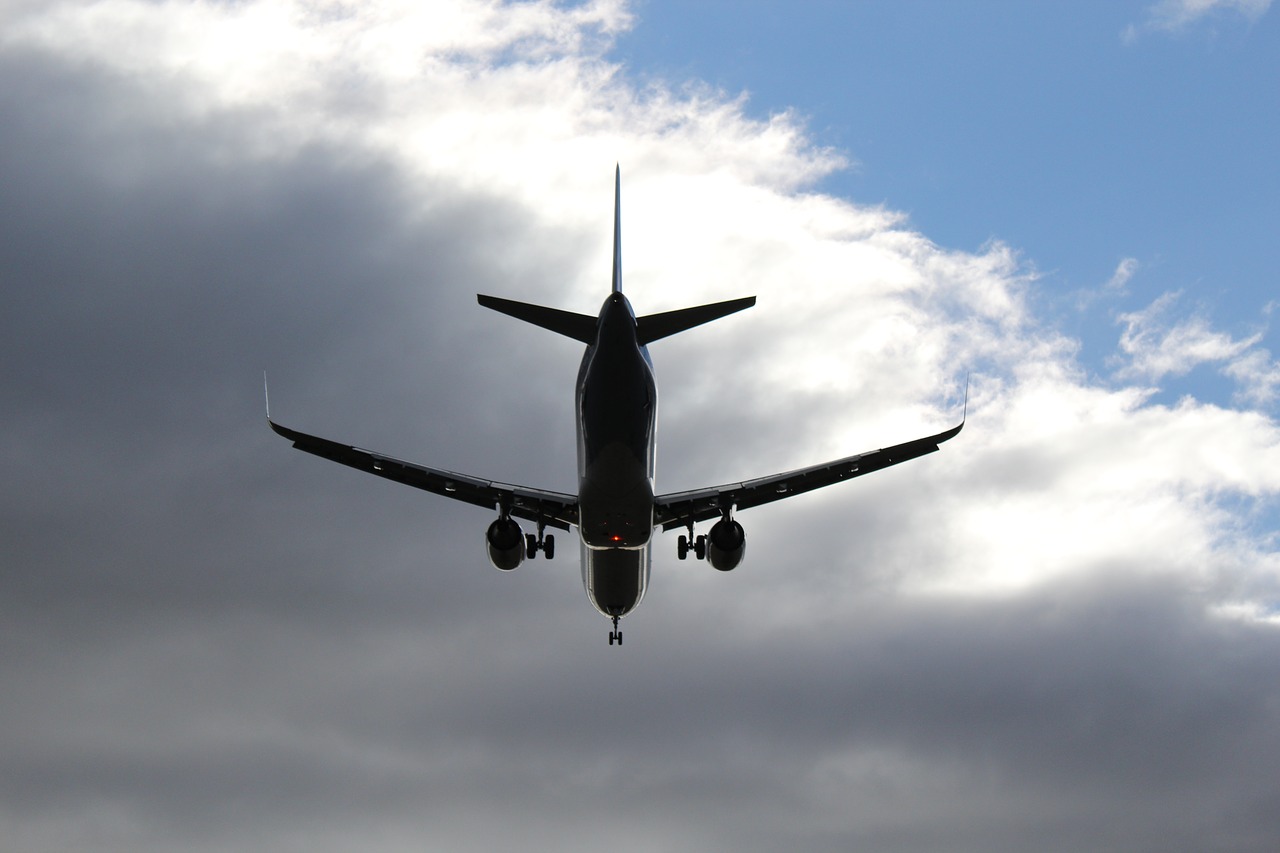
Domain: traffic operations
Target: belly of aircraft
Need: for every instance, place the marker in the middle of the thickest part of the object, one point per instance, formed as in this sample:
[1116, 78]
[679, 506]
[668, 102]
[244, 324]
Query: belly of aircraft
[615, 499]
[615, 578]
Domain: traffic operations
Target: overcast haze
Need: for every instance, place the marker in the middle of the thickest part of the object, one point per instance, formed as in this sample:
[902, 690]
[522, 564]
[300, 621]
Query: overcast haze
[1060, 633]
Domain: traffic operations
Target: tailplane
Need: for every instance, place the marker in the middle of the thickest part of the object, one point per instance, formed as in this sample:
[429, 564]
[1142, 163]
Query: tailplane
[582, 327]
[654, 326]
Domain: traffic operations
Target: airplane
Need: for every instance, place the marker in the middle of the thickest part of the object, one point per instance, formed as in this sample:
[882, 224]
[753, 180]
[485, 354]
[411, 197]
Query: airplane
[615, 510]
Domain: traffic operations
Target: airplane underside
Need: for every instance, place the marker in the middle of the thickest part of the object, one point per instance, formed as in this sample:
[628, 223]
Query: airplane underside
[616, 580]
[615, 510]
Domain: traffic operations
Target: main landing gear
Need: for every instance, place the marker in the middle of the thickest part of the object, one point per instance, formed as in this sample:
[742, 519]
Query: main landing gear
[533, 544]
[685, 544]
[615, 634]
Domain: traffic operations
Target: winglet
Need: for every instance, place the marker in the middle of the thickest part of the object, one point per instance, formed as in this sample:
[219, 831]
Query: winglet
[266, 400]
[617, 229]
[964, 416]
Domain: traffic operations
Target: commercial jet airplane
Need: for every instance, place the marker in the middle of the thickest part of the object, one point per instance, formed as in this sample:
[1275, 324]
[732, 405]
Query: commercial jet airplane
[615, 509]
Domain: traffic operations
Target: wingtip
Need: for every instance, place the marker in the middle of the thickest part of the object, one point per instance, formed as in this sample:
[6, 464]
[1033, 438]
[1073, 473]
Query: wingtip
[964, 411]
[266, 400]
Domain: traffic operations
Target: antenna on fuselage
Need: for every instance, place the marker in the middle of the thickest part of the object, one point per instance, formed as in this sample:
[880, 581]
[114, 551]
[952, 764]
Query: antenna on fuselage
[617, 230]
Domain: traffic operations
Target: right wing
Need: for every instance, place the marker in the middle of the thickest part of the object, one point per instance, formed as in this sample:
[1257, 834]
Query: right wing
[555, 509]
[680, 509]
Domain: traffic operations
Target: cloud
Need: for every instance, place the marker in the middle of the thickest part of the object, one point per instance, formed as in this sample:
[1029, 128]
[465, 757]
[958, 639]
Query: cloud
[1178, 15]
[1157, 347]
[1124, 271]
[1115, 286]
[1258, 375]
[1065, 618]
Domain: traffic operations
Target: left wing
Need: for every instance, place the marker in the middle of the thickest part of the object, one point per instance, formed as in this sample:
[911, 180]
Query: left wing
[555, 509]
[680, 509]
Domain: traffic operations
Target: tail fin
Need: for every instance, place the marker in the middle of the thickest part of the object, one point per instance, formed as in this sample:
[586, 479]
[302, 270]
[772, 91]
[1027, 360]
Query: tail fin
[654, 326]
[617, 229]
[580, 327]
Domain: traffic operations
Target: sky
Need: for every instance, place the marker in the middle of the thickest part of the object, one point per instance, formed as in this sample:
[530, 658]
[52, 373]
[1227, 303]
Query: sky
[1060, 633]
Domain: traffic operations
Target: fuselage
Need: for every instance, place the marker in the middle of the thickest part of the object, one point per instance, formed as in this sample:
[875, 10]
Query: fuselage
[616, 410]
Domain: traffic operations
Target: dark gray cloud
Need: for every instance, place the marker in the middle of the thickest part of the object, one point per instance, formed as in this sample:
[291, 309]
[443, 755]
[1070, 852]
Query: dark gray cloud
[213, 642]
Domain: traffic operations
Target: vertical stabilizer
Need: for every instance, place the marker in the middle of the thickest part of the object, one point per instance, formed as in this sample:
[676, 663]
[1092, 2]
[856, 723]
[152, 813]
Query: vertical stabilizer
[617, 230]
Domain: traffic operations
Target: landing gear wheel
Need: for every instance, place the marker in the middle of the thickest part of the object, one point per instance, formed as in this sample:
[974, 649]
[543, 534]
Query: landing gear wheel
[534, 544]
[682, 547]
[700, 547]
[615, 634]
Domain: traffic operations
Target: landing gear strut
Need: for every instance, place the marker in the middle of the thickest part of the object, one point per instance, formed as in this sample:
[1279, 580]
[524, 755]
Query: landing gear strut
[615, 634]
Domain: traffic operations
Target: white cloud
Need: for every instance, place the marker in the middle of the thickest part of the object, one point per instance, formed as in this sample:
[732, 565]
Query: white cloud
[1120, 278]
[1157, 348]
[1113, 287]
[1178, 15]
[1258, 375]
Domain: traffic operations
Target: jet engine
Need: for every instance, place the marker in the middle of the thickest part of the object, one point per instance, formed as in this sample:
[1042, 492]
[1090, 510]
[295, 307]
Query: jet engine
[505, 543]
[726, 543]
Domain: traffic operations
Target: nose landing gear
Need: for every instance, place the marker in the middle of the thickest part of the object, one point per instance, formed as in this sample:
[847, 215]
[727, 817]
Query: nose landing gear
[615, 634]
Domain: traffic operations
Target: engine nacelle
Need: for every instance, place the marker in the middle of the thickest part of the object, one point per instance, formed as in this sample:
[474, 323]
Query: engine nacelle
[726, 544]
[504, 540]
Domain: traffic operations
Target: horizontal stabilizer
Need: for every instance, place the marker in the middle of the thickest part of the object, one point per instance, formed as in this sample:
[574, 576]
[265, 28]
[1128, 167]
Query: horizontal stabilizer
[580, 327]
[654, 326]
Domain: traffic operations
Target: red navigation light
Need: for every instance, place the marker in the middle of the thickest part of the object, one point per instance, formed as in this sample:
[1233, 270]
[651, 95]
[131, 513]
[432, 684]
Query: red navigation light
[616, 538]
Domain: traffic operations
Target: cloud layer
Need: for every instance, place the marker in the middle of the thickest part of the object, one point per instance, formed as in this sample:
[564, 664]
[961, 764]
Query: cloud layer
[1057, 633]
